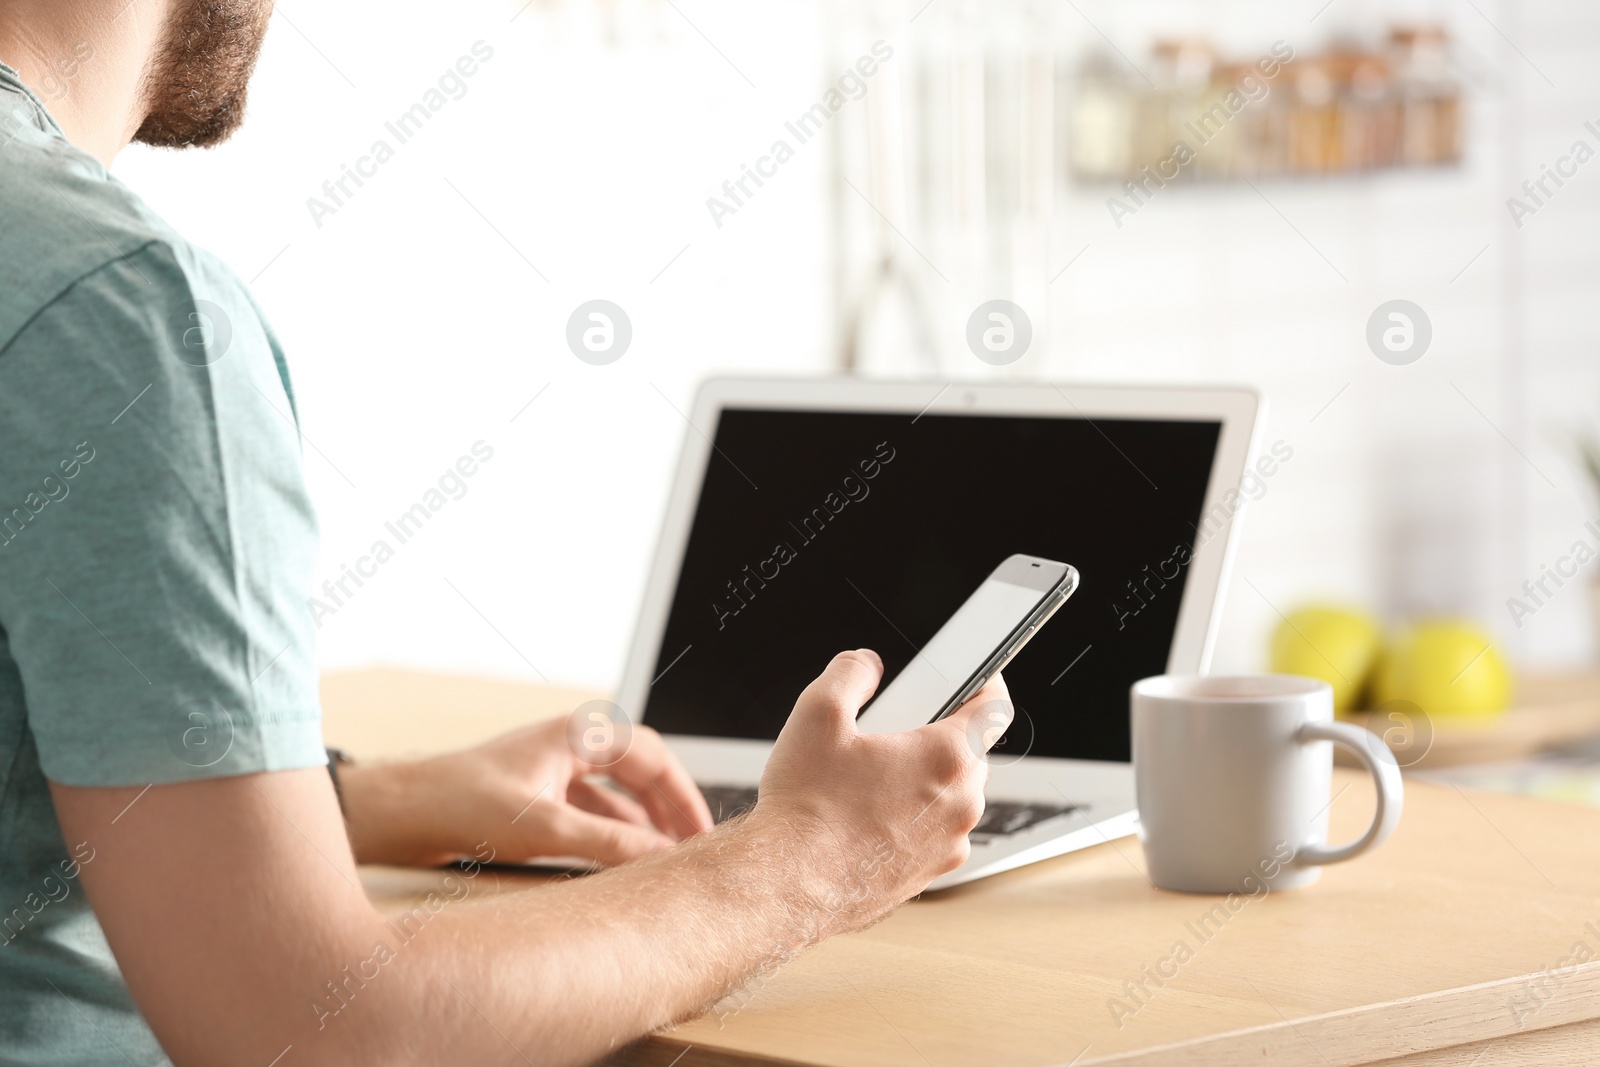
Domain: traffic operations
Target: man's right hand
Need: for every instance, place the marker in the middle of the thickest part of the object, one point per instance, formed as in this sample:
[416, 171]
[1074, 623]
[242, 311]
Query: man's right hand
[872, 819]
[239, 920]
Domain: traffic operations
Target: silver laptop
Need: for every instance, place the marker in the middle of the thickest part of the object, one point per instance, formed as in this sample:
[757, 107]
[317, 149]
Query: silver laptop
[813, 516]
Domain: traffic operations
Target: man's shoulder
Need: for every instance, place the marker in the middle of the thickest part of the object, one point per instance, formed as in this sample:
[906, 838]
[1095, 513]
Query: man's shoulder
[62, 219]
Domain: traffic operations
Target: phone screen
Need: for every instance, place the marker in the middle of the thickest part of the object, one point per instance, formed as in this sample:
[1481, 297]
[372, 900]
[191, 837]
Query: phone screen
[963, 645]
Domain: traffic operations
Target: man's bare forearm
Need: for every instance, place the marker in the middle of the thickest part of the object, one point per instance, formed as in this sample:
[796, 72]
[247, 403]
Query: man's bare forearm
[238, 919]
[565, 972]
[237, 915]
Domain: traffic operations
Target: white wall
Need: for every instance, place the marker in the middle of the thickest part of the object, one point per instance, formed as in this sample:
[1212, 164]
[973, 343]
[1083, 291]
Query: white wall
[415, 328]
[1435, 487]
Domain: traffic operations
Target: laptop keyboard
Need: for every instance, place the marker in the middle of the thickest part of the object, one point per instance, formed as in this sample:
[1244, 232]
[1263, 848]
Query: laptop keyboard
[1001, 818]
[728, 801]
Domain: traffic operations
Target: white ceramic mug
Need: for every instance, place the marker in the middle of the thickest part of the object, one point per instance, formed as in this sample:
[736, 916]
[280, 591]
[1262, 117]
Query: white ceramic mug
[1233, 777]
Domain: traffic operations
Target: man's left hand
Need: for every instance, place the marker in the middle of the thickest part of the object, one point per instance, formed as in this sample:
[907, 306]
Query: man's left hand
[525, 794]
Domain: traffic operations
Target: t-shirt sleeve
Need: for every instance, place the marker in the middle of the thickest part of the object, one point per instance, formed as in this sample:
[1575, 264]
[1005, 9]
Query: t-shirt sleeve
[156, 538]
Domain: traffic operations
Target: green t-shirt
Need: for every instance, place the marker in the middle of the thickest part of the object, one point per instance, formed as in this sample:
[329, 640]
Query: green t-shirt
[156, 543]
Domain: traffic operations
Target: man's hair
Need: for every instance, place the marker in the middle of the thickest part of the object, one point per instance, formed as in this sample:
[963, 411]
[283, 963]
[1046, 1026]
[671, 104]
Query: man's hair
[194, 86]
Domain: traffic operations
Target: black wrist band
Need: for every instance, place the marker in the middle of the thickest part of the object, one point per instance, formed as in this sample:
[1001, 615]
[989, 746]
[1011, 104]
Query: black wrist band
[337, 756]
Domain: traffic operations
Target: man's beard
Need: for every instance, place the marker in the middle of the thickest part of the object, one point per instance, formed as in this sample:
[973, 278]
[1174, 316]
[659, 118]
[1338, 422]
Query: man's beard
[195, 84]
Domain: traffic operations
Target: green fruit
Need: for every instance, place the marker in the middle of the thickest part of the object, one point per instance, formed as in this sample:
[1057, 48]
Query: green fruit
[1332, 644]
[1447, 668]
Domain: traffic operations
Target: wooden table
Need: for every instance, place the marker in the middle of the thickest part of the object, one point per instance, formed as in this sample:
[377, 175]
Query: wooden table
[1435, 950]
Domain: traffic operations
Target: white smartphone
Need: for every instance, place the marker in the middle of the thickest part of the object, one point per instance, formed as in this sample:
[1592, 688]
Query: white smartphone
[973, 645]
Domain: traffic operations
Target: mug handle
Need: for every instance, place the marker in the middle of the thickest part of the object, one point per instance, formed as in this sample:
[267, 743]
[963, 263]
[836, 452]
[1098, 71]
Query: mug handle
[1385, 775]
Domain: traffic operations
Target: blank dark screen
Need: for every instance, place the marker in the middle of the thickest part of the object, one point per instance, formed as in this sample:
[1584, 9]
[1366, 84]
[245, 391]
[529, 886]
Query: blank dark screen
[822, 531]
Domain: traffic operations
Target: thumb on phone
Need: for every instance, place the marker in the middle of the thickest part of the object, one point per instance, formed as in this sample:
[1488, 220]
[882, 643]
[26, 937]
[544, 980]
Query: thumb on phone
[832, 701]
[983, 718]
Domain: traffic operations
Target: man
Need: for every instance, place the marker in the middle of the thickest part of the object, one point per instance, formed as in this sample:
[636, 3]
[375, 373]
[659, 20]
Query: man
[176, 879]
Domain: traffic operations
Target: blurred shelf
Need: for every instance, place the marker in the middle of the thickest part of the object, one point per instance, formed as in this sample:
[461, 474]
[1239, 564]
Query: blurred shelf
[1431, 177]
[1564, 779]
[1551, 711]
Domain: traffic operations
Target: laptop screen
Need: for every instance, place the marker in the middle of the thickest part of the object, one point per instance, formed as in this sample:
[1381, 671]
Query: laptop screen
[822, 531]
